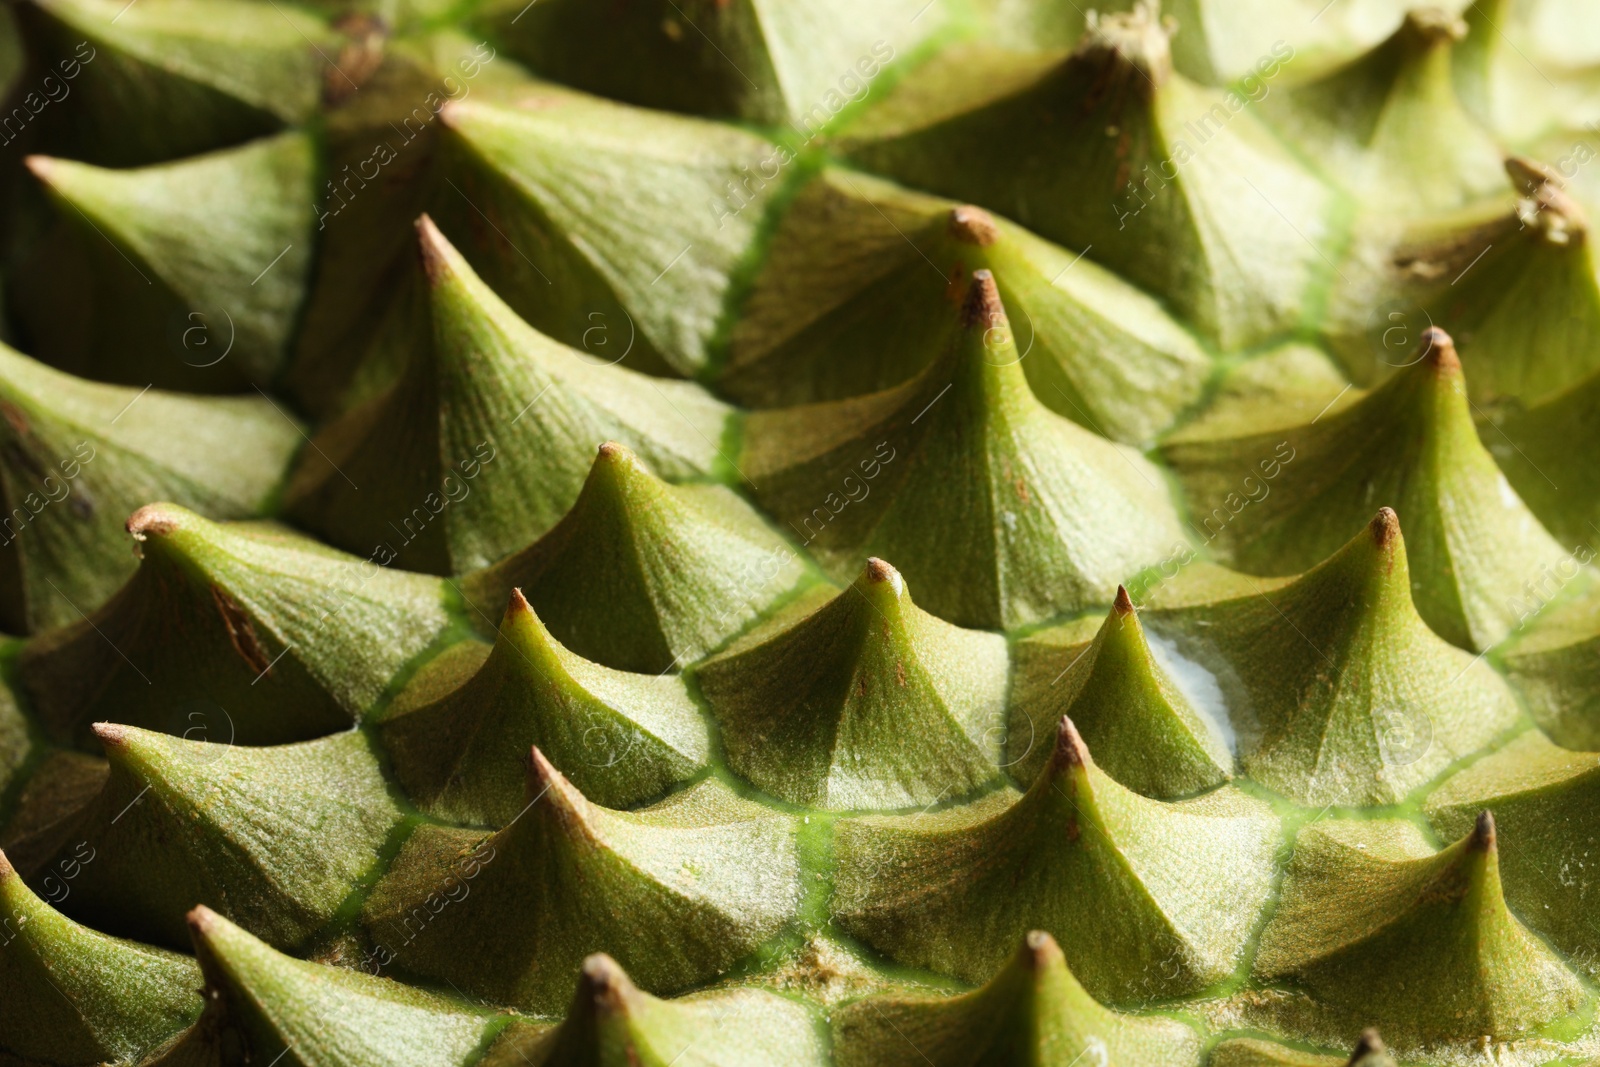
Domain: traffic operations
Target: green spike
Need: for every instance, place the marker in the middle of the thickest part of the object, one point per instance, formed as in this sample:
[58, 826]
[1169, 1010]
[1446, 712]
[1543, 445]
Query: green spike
[81, 456]
[612, 1024]
[1179, 884]
[1389, 126]
[187, 274]
[1381, 929]
[1158, 200]
[499, 399]
[76, 996]
[171, 78]
[641, 575]
[1053, 515]
[654, 257]
[854, 297]
[765, 61]
[679, 892]
[263, 635]
[1147, 733]
[458, 737]
[1410, 443]
[296, 1013]
[274, 837]
[1544, 801]
[1513, 278]
[1032, 1012]
[860, 700]
[1338, 690]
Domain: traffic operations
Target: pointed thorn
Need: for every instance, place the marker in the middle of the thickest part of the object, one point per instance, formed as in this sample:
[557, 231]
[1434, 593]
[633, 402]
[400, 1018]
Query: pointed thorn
[111, 735]
[158, 519]
[973, 225]
[605, 984]
[517, 605]
[1528, 175]
[1438, 350]
[1385, 528]
[6, 870]
[41, 167]
[1070, 750]
[614, 451]
[1123, 605]
[1435, 25]
[1040, 950]
[200, 921]
[1369, 1043]
[983, 309]
[1483, 833]
[435, 250]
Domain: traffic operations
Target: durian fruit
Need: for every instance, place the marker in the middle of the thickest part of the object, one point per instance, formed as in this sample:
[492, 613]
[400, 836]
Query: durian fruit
[753, 533]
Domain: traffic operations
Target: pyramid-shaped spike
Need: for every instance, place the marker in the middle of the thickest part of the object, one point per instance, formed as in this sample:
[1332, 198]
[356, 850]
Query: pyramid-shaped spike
[275, 837]
[459, 736]
[641, 575]
[654, 257]
[1412, 444]
[139, 283]
[678, 892]
[264, 635]
[611, 1023]
[494, 399]
[1419, 943]
[950, 891]
[1544, 800]
[81, 456]
[1337, 689]
[1159, 200]
[1033, 1011]
[860, 700]
[1388, 125]
[1146, 732]
[1053, 515]
[854, 297]
[171, 78]
[73, 995]
[1513, 279]
[299, 1014]
[760, 60]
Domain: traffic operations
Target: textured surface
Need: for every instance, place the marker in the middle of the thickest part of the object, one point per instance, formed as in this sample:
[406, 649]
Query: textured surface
[771, 534]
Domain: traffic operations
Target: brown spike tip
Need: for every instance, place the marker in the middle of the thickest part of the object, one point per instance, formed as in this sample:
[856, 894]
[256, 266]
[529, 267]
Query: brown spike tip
[973, 226]
[201, 920]
[1039, 950]
[111, 734]
[1435, 25]
[1368, 1044]
[41, 167]
[1123, 605]
[1438, 350]
[435, 250]
[604, 983]
[1483, 834]
[517, 604]
[6, 870]
[982, 309]
[1070, 750]
[1385, 528]
[157, 519]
